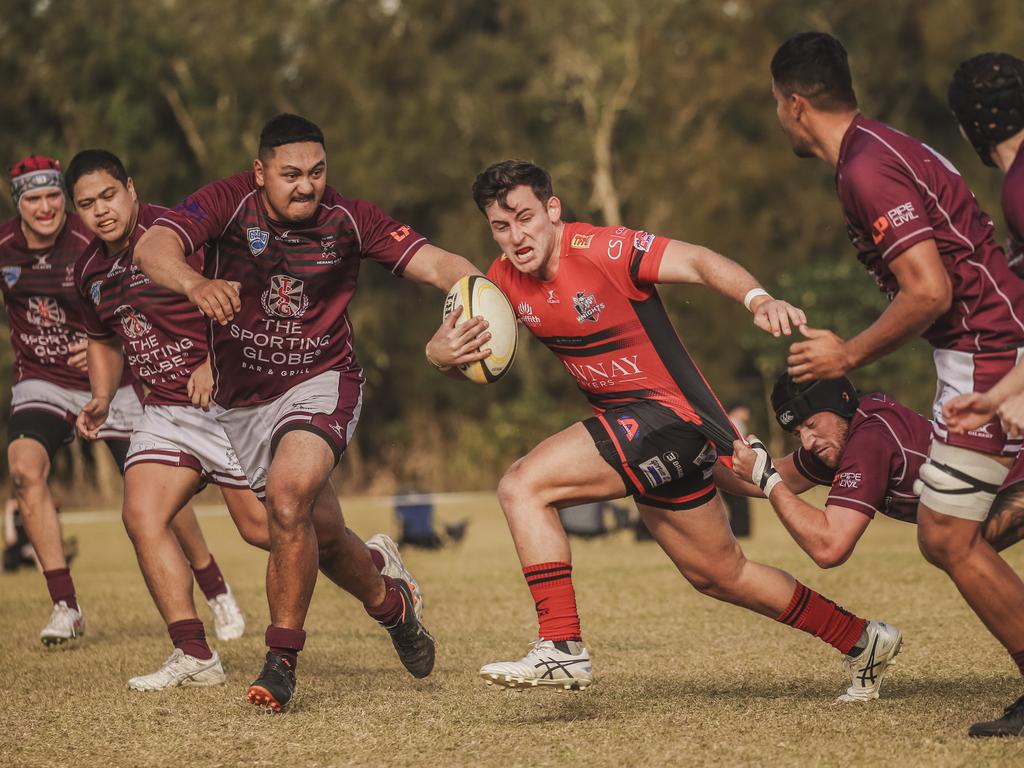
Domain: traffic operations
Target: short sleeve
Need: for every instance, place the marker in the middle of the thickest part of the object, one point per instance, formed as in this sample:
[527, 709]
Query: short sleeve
[862, 479]
[630, 258]
[811, 467]
[204, 215]
[883, 200]
[89, 295]
[383, 239]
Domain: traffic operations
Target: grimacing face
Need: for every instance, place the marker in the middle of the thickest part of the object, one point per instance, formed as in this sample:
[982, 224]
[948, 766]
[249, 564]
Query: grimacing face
[292, 179]
[824, 434]
[527, 230]
[106, 206]
[785, 109]
[42, 211]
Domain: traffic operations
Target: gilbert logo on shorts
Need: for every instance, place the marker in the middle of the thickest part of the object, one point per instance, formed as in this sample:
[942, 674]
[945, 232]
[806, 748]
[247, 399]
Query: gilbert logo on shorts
[588, 308]
[284, 297]
[134, 324]
[44, 312]
[258, 240]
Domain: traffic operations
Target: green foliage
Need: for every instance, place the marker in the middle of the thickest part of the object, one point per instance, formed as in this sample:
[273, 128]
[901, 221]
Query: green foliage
[656, 114]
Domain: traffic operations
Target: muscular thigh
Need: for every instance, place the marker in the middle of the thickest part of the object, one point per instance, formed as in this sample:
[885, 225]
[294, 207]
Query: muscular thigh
[301, 466]
[157, 491]
[698, 539]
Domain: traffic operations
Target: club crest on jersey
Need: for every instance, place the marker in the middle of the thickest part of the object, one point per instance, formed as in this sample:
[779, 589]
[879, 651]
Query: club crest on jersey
[10, 275]
[588, 308]
[133, 323]
[284, 297]
[94, 292]
[258, 240]
[629, 426]
[44, 312]
[525, 312]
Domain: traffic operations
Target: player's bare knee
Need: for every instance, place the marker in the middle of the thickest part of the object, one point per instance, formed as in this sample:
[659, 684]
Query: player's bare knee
[27, 476]
[288, 514]
[515, 489]
[941, 543]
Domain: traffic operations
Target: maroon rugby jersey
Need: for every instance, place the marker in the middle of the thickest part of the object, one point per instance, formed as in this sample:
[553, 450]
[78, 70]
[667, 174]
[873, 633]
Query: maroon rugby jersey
[897, 192]
[163, 334]
[602, 316]
[885, 448]
[297, 281]
[1013, 211]
[42, 304]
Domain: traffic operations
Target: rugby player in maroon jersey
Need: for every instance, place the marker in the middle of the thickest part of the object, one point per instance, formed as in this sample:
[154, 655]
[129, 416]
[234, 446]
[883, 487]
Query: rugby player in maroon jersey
[283, 255]
[868, 449]
[38, 250]
[588, 293]
[918, 229]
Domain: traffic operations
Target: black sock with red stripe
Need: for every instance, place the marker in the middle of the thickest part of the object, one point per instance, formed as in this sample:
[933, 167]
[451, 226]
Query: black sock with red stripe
[810, 612]
[555, 600]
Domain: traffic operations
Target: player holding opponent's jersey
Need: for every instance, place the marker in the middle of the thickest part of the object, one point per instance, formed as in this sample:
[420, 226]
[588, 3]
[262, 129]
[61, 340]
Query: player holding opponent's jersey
[588, 293]
[38, 250]
[284, 251]
[918, 229]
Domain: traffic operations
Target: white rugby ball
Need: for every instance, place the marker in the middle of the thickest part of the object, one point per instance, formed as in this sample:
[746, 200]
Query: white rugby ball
[481, 297]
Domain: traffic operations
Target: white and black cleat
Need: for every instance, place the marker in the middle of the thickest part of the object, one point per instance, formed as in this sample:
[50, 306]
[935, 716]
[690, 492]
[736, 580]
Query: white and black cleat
[564, 665]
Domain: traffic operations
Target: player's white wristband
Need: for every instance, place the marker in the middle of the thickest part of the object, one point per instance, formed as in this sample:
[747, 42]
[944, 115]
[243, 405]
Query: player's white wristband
[752, 294]
[764, 475]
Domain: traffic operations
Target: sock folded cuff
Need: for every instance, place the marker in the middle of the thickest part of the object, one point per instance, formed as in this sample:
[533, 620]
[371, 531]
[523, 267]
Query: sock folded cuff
[547, 573]
[284, 637]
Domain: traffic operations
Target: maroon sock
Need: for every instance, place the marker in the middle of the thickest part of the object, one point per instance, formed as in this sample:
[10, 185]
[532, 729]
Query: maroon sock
[189, 636]
[1018, 659]
[391, 609]
[819, 616]
[378, 559]
[286, 643]
[210, 580]
[61, 587]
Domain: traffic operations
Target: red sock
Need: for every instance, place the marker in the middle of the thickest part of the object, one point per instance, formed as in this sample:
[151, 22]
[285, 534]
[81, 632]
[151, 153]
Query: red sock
[555, 600]
[822, 618]
[210, 580]
[190, 637]
[389, 612]
[286, 643]
[1018, 659]
[61, 587]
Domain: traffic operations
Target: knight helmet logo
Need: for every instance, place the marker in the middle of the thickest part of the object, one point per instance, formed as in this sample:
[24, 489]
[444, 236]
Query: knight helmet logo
[258, 240]
[588, 308]
[284, 297]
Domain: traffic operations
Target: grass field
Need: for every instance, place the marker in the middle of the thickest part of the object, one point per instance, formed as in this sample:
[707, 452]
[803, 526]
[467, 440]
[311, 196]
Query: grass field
[681, 680]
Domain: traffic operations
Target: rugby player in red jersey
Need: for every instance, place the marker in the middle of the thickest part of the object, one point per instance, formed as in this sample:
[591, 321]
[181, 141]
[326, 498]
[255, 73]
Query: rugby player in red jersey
[918, 229]
[868, 449]
[38, 250]
[283, 255]
[588, 294]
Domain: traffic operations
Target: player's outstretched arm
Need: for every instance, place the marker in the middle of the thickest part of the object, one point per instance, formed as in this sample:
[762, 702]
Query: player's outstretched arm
[737, 480]
[437, 267]
[688, 263]
[828, 536]
[160, 254]
[106, 362]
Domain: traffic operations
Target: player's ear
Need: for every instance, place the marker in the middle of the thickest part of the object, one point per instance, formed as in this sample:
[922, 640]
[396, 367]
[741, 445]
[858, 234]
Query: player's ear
[554, 209]
[257, 168]
[131, 189]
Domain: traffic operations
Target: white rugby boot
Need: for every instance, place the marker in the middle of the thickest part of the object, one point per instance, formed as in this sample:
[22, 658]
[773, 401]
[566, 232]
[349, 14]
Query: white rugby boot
[66, 624]
[181, 670]
[869, 667]
[228, 619]
[544, 666]
[395, 568]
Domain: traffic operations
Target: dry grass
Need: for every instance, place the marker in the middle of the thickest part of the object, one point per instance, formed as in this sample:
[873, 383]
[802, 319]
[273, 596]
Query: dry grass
[682, 680]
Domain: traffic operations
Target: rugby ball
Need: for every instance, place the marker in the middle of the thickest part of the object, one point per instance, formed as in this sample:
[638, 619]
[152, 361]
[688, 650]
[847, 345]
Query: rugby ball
[481, 297]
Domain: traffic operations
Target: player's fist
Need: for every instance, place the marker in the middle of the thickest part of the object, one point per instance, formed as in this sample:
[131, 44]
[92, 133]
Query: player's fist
[762, 471]
[78, 357]
[743, 458]
[92, 416]
[966, 412]
[777, 317]
[457, 343]
[200, 385]
[218, 299]
[822, 356]
[1011, 414]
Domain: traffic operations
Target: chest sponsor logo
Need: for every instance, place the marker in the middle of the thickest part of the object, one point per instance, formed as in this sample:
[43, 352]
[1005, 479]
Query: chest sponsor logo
[655, 471]
[708, 454]
[615, 248]
[258, 240]
[400, 234]
[94, 291]
[552, 297]
[45, 312]
[525, 312]
[581, 241]
[605, 373]
[133, 323]
[285, 297]
[629, 426]
[588, 308]
[10, 275]
[849, 479]
[41, 261]
[643, 241]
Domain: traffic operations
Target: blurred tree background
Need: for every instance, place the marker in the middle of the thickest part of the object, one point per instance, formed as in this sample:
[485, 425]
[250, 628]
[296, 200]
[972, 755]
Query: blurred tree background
[652, 113]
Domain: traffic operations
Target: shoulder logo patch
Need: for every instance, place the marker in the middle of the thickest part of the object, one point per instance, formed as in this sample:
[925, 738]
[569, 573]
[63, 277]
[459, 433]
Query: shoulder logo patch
[258, 240]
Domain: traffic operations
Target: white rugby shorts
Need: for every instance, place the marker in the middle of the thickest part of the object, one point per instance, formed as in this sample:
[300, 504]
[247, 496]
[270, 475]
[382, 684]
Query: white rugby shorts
[39, 395]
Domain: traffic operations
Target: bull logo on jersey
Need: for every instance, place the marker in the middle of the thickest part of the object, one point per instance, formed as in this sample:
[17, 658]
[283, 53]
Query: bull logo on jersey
[285, 297]
[258, 240]
[45, 312]
[133, 323]
[10, 275]
[588, 308]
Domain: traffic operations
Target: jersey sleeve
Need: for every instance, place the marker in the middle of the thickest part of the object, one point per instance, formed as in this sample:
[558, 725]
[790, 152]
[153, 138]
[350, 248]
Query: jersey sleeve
[88, 297]
[204, 215]
[862, 479]
[631, 258]
[1013, 210]
[811, 467]
[383, 239]
[879, 194]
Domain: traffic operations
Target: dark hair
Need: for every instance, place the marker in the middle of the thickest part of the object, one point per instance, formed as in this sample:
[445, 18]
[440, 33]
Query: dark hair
[501, 178]
[288, 129]
[90, 161]
[814, 65]
[987, 98]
